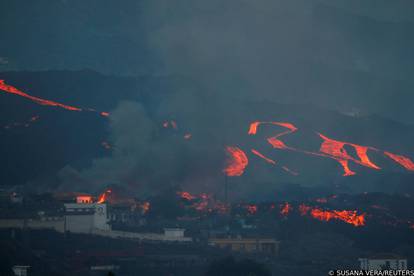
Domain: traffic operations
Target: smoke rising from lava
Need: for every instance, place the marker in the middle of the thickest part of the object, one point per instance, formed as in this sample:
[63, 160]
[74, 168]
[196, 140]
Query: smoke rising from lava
[262, 59]
[146, 157]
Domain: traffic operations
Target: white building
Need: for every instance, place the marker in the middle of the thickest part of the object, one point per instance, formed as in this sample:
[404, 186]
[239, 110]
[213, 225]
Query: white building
[381, 262]
[20, 270]
[85, 218]
[92, 218]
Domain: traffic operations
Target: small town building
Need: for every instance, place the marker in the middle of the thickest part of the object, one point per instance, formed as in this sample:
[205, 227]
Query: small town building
[383, 262]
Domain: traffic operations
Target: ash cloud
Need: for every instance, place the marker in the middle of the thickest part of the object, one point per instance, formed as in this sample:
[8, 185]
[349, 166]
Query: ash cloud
[323, 53]
[340, 55]
[146, 158]
[228, 54]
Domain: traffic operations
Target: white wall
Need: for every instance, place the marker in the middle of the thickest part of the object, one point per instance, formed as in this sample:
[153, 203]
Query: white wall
[101, 217]
[83, 218]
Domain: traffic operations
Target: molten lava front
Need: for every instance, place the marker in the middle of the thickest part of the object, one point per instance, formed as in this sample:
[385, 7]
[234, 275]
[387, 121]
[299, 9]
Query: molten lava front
[12, 90]
[329, 148]
[237, 161]
[350, 217]
[268, 160]
[402, 160]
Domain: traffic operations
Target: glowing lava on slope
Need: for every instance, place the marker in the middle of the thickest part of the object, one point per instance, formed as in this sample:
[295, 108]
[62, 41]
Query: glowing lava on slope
[204, 203]
[336, 149]
[268, 160]
[348, 216]
[237, 161]
[12, 90]
[402, 160]
[330, 148]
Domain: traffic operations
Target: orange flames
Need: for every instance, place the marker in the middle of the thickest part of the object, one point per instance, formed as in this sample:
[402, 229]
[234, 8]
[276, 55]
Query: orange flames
[12, 90]
[237, 161]
[201, 202]
[104, 196]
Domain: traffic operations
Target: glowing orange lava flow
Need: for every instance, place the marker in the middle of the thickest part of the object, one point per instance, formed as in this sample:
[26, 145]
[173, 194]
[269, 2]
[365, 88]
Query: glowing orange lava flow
[103, 197]
[255, 125]
[268, 160]
[237, 161]
[274, 141]
[334, 148]
[402, 160]
[12, 90]
[330, 148]
[350, 217]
